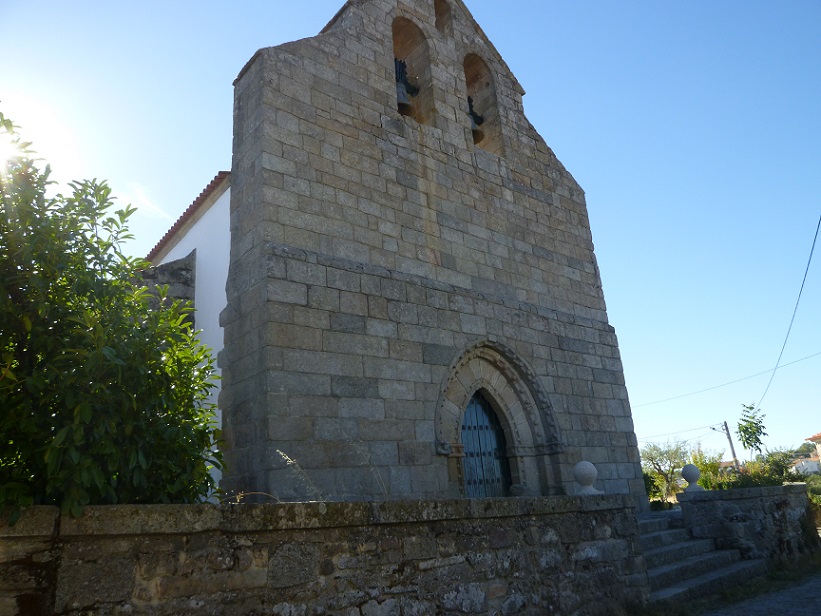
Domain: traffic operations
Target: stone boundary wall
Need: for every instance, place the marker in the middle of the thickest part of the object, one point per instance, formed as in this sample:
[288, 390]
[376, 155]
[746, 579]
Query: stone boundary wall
[769, 522]
[561, 555]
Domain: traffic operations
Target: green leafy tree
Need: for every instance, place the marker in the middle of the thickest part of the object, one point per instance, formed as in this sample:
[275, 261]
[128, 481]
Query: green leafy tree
[709, 463]
[751, 428]
[805, 448]
[652, 487]
[102, 399]
[773, 468]
[664, 464]
[814, 488]
[778, 463]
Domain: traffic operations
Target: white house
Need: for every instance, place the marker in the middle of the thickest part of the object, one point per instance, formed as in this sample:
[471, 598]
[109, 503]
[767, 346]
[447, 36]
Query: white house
[203, 228]
[807, 466]
[816, 439]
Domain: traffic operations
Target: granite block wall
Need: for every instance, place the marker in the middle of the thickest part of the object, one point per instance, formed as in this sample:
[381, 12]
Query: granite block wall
[772, 522]
[385, 267]
[507, 556]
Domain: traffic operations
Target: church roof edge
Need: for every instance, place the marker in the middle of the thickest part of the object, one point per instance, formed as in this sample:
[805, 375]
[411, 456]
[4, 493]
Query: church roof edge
[189, 212]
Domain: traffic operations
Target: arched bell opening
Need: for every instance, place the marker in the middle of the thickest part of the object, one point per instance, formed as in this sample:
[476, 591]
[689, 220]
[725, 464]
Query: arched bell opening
[414, 92]
[486, 468]
[444, 18]
[482, 106]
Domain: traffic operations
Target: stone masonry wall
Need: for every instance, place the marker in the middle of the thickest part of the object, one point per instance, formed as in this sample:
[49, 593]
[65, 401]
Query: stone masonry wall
[384, 268]
[770, 522]
[505, 556]
[179, 276]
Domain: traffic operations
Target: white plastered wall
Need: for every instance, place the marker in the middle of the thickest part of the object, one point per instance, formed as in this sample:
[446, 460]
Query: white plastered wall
[208, 233]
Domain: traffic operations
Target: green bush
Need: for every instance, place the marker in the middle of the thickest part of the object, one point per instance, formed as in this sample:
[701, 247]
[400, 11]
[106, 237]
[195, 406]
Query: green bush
[814, 494]
[652, 487]
[103, 399]
[770, 469]
[814, 488]
[709, 463]
[663, 464]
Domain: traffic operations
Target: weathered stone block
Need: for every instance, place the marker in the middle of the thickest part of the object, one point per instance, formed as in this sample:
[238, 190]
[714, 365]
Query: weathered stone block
[86, 584]
[286, 291]
[293, 565]
[415, 454]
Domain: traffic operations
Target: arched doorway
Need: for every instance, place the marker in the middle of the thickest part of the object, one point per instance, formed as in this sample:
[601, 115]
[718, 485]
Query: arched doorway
[486, 467]
[534, 453]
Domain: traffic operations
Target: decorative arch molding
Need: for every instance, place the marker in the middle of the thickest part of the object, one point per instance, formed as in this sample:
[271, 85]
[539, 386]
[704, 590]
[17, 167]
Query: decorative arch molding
[511, 386]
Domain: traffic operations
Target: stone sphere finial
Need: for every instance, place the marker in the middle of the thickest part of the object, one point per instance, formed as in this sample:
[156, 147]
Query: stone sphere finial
[691, 474]
[585, 474]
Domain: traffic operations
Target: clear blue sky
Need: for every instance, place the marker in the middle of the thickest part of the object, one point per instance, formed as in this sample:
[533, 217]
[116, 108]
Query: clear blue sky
[695, 129]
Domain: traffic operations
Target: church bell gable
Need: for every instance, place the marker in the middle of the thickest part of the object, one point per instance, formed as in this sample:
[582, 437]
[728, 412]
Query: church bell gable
[404, 241]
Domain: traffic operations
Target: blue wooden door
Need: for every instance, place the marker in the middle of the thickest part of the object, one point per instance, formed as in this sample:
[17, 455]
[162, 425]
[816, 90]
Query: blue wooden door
[486, 469]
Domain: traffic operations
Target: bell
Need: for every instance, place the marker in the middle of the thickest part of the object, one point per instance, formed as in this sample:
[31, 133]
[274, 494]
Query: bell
[403, 100]
[478, 133]
[404, 89]
[475, 122]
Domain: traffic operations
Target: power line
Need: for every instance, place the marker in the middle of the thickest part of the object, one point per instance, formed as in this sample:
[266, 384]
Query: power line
[698, 438]
[701, 391]
[647, 438]
[792, 320]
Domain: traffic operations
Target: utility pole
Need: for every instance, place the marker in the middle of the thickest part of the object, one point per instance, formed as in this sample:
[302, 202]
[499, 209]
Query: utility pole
[730, 440]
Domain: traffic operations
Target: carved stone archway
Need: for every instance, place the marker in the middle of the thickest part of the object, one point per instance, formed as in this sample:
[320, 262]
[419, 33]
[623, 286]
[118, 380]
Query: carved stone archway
[522, 406]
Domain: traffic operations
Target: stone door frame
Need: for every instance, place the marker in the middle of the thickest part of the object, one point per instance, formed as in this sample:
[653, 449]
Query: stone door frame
[522, 406]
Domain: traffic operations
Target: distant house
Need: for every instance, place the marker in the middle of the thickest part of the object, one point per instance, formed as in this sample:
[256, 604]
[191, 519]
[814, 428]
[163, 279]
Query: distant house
[807, 466]
[816, 440]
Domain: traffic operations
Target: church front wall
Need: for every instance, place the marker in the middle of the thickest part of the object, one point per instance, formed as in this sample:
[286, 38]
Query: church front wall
[359, 358]
[369, 249]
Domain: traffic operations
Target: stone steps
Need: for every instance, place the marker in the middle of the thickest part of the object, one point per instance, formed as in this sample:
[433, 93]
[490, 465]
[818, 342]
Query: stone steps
[692, 566]
[671, 554]
[653, 522]
[711, 582]
[663, 538]
[680, 568]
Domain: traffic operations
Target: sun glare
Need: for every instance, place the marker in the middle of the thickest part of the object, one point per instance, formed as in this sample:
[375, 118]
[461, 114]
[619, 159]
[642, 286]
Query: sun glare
[7, 146]
[51, 138]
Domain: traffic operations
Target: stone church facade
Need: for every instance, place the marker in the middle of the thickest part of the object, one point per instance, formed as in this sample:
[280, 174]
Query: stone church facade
[414, 306]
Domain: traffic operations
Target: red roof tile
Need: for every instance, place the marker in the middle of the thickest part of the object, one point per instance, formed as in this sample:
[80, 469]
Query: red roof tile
[188, 213]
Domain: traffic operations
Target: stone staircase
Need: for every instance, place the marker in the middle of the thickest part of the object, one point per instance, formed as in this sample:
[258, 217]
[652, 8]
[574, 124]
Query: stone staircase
[680, 567]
